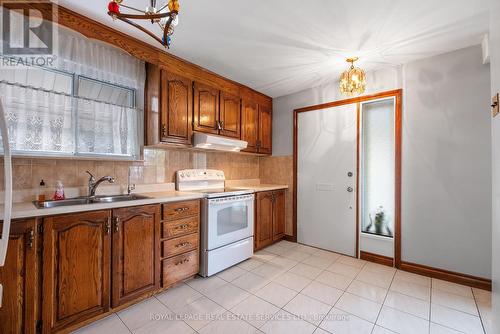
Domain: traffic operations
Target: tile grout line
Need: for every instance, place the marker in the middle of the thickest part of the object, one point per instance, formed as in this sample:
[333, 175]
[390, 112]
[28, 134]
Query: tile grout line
[478, 311]
[383, 303]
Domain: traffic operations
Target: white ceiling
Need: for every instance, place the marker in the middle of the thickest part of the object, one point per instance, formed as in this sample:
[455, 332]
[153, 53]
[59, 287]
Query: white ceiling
[279, 47]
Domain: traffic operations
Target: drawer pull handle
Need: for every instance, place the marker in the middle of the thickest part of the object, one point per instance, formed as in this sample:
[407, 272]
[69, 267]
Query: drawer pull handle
[182, 227]
[182, 244]
[182, 262]
[181, 209]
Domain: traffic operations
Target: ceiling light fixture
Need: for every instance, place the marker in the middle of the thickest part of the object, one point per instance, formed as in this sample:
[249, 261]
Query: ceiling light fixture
[165, 16]
[352, 81]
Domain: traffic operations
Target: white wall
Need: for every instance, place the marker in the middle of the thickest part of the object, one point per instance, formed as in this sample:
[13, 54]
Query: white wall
[495, 88]
[446, 199]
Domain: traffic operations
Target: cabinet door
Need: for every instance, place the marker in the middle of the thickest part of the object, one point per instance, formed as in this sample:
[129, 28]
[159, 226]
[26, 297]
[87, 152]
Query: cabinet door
[265, 130]
[230, 115]
[264, 219]
[19, 277]
[136, 252]
[279, 215]
[76, 261]
[176, 108]
[206, 109]
[249, 125]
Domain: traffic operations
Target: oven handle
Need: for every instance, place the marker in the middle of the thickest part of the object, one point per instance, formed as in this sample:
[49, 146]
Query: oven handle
[231, 199]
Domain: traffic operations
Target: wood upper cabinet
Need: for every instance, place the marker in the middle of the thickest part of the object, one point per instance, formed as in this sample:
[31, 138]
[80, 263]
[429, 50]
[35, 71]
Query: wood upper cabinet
[206, 109]
[176, 108]
[269, 218]
[76, 267]
[176, 105]
[230, 115]
[136, 252]
[19, 277]
[249, 124]
[264, 219]
[256, 127]
[168, 108]
[265, 130]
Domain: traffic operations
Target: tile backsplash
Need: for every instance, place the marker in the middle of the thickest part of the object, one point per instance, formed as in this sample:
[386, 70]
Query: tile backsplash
[158, 166]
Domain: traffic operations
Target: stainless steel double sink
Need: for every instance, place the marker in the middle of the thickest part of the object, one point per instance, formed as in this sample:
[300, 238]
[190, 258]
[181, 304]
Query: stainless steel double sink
[89, 200]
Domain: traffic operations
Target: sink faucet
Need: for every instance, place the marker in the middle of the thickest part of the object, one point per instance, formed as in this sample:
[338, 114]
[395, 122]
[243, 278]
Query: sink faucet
[93, 184]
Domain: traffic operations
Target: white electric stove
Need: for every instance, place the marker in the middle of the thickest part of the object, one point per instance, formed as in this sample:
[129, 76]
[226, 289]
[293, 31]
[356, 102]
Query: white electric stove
[227, 219]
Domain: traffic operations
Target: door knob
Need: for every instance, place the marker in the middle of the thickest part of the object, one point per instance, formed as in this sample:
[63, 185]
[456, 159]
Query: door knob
[349, 174]
[349, 189]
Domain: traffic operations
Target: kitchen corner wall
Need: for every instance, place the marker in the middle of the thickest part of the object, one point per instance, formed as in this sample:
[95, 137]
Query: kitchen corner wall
[158, 166]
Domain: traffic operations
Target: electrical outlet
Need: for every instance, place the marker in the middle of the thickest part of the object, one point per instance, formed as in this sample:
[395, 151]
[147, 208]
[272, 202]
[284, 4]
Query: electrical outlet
[495, 108]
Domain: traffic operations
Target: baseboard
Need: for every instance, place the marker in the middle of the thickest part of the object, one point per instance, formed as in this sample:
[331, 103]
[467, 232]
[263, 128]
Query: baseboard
[446, 275]
[290, 238]
[380, 259]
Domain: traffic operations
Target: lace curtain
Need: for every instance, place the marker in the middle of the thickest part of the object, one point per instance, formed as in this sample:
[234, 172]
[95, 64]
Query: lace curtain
[45, 115]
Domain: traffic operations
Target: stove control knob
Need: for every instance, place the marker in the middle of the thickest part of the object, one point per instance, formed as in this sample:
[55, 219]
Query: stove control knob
[182, 174]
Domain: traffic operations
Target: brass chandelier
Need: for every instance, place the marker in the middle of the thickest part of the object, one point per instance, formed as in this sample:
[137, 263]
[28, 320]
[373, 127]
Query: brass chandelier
[165, 16]
[352, 81]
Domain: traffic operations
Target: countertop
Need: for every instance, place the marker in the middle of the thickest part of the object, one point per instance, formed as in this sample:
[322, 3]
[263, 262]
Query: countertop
[28, 209]
[262, 187]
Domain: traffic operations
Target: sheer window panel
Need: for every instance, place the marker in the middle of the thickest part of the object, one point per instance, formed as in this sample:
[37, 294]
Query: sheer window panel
[39, 122]
[106, 129]
[377, 165]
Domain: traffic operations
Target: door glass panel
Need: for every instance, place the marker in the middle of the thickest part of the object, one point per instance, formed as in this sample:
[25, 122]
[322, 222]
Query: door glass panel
[377, 167]
[232, 218]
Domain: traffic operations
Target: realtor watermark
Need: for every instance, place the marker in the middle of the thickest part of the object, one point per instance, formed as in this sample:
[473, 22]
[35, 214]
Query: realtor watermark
[248, 317]
[29, 36]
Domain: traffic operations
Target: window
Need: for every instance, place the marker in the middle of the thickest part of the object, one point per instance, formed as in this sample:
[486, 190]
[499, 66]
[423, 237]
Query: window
[377, 167]
[85, 104]
[105, 92]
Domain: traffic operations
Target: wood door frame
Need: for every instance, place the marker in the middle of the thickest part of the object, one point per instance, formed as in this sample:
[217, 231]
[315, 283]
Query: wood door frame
[397, 95]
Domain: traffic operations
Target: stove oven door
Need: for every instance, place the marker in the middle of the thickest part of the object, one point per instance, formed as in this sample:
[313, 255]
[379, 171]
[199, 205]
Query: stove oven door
[230, 219]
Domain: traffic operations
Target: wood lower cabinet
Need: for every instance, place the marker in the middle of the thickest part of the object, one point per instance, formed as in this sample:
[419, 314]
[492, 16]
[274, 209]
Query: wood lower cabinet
[19, 276]
[180, 241]
[136, 253]
[65, 271]
[264, 219]
[279, 223]
[76, 268]
[269, 218]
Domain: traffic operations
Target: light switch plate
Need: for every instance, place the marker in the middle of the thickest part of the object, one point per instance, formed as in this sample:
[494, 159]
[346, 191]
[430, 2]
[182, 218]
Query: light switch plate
[495, 108]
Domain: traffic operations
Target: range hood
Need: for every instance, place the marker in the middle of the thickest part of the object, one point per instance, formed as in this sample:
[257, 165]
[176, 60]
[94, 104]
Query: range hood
[211, 142]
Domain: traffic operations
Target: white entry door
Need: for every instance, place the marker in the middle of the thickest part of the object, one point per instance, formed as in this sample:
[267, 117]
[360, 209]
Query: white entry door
[326, 179]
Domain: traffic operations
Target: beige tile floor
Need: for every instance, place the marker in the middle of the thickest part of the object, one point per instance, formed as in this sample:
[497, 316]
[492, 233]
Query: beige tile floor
[292, 288]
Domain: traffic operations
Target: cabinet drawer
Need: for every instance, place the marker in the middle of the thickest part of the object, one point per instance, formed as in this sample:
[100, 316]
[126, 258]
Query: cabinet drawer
[178, 210]
[179, 227]
[179, 267]
[179, 245]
